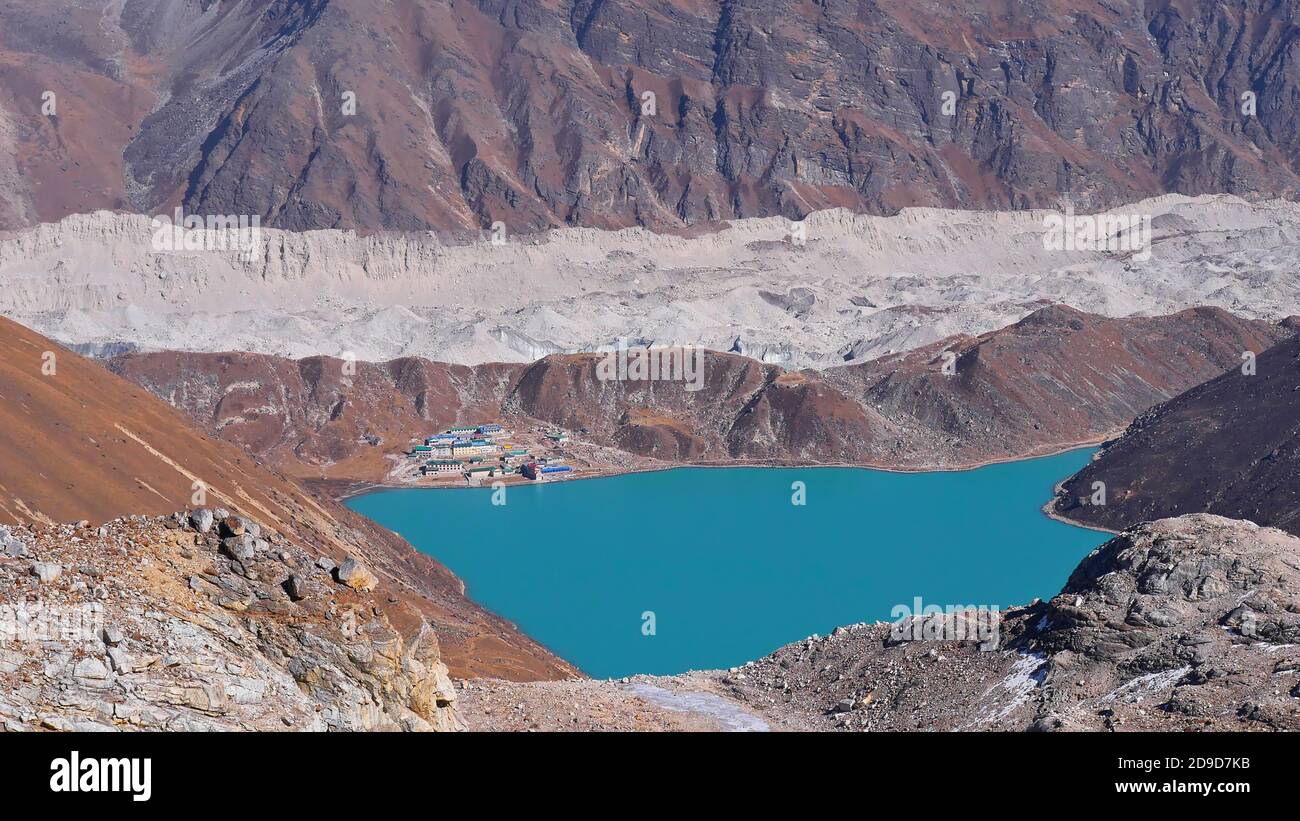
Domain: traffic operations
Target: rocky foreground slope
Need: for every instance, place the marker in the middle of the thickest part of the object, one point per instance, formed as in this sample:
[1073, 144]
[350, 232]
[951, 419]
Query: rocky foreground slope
[205, 621]
[1056, 378]
[79, 443]
[1177, 624]
[1230, 446]
[1190, 623]
[428, 114]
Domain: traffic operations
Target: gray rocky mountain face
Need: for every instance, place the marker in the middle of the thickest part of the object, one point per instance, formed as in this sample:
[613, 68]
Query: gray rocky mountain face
[452, 116]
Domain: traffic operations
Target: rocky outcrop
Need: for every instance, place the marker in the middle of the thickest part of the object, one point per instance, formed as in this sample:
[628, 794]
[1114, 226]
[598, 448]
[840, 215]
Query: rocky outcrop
[1228, 446]
[346, 114]
[1179, 624]
[153, 628]
[1059, 377]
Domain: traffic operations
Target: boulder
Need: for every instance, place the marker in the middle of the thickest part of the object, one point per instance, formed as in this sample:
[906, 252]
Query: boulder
[91, 670]
[202, 520]
[356, 575]
[11, 547]
[120, 660]
[232, 526]
[46, 571]
[240, 548]
[295, 587]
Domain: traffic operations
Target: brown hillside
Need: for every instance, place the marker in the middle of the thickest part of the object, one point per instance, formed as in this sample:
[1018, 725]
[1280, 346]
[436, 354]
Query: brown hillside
[83, 443]
[1056, 378]
[1230, 447]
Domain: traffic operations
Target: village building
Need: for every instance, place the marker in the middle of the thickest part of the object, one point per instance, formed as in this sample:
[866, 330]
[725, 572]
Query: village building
[473, 448]
[441, 466]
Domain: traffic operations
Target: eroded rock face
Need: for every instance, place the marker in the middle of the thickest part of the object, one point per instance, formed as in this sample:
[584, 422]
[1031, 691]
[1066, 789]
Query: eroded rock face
[342, 114]
[1206, 604]
[153, 626]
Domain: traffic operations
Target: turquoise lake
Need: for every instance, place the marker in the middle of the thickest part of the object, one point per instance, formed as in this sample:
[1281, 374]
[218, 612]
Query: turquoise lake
[728, 565]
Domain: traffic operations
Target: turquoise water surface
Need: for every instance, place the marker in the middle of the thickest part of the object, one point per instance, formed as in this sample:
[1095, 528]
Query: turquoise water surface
[730, 568]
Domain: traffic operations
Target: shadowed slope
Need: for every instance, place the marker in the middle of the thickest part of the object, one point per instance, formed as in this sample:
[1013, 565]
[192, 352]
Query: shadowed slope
[1229, 447]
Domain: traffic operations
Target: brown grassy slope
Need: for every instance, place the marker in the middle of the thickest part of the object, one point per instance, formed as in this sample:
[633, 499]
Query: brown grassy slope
[308, 417]
[1058, 377]
[82, 443]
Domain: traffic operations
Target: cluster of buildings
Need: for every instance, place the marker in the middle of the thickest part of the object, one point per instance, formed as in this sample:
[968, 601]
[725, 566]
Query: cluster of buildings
[479, 452]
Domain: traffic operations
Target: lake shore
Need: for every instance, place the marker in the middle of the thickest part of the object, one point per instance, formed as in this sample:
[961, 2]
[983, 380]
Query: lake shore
[344, 489]
[976, 538]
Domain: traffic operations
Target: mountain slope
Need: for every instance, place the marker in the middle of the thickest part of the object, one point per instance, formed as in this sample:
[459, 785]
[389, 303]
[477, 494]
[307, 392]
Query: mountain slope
[534, 113]
[1057, 378]
[1229, 447]
[309, 413]
[79, 443]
